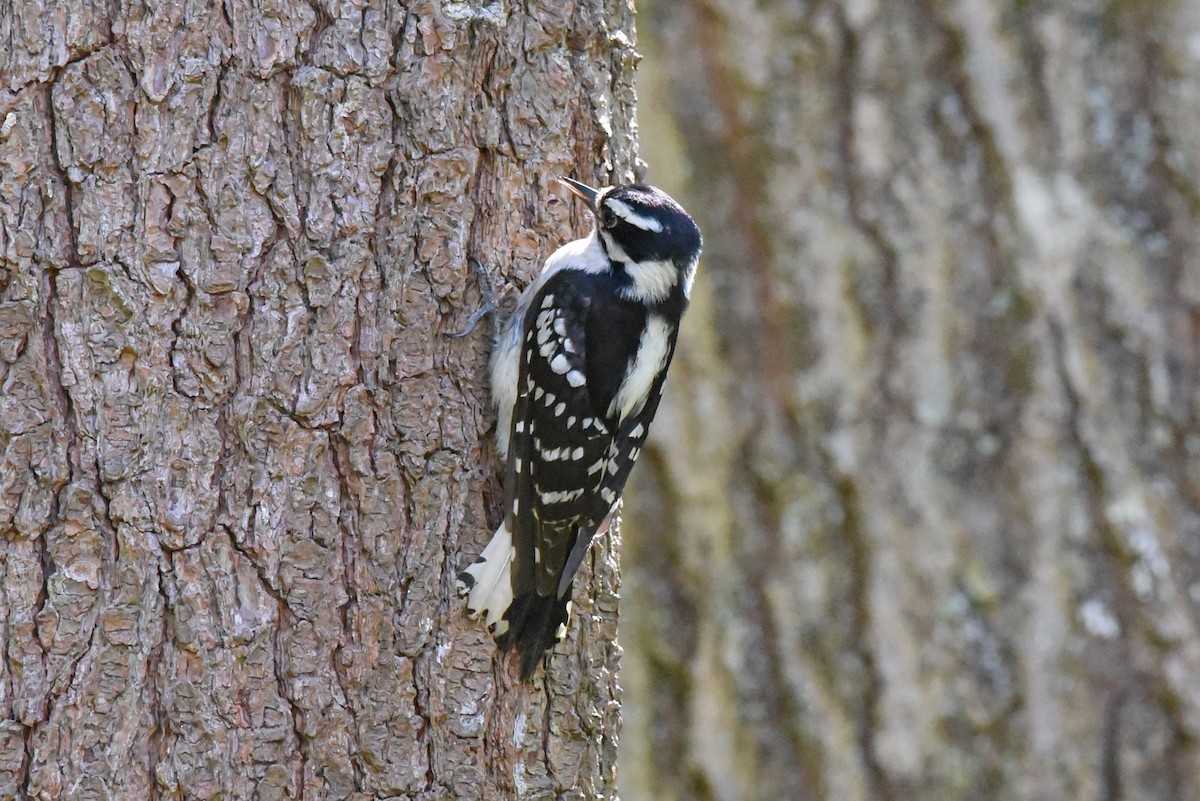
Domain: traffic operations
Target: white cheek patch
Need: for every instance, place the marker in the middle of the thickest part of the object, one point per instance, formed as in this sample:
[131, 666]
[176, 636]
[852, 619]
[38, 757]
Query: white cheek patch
[652, 280]
[626, 213]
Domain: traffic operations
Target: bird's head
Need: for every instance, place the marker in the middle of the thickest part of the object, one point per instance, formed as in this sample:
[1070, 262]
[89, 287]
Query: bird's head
[644, 228]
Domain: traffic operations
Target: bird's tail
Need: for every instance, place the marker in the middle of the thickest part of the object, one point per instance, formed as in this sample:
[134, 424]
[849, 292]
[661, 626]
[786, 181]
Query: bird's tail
[488, 582]
[531, 623]
[535, 624]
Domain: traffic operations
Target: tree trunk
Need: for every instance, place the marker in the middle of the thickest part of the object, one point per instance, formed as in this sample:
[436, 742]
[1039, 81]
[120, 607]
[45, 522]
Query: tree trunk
[931, 450]
[239, 466]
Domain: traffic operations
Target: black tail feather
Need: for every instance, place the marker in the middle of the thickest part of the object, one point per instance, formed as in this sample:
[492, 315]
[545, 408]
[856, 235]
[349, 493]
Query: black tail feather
[533, 623]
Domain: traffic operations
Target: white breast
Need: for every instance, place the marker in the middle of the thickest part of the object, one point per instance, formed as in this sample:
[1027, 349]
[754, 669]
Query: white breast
[651, 359]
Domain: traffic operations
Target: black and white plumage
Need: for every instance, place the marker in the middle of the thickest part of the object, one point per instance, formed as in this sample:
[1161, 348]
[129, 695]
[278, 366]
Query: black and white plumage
[576, 377]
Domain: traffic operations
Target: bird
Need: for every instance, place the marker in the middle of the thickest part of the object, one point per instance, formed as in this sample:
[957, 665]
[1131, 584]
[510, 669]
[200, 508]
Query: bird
[576, 378]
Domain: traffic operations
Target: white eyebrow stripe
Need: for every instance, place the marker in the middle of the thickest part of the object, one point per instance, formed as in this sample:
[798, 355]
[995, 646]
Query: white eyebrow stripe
[622, 209]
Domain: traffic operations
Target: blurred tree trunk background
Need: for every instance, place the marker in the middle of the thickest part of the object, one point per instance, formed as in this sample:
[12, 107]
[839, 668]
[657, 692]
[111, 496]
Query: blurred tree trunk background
[922, 515]
[239, 466]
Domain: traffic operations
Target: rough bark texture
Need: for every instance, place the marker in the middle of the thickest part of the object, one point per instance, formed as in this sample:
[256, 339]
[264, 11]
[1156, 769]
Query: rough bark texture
[930, 457]
[239, 466]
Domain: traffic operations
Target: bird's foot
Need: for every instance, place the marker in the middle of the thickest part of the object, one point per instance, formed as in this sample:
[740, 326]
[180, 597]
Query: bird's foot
[488, 306]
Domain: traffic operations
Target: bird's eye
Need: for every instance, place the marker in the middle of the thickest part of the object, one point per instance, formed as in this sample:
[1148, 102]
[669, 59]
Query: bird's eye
[607, 217]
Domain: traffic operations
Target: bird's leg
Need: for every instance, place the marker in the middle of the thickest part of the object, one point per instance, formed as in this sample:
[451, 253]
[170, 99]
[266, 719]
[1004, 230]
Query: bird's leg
[488, 307]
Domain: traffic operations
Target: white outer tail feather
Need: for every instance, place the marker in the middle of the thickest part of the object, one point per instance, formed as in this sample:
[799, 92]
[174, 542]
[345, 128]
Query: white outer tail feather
[491, 594]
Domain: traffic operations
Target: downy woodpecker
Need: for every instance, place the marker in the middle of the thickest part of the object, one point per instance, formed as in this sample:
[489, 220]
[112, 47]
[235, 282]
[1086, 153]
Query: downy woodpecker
[576, 377]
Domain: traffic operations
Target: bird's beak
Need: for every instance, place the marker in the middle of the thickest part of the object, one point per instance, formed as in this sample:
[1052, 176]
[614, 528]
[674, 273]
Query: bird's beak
[582, 191]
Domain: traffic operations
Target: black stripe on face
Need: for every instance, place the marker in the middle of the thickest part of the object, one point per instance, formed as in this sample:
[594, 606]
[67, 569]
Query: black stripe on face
[639, 244]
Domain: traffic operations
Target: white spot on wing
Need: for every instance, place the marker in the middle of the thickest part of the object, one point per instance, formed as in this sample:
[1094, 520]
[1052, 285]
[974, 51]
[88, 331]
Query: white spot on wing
[559, 364]
[575, 378]
[563, 496]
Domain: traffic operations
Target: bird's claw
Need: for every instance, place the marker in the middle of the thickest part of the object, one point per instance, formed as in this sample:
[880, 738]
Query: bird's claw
[489, 305]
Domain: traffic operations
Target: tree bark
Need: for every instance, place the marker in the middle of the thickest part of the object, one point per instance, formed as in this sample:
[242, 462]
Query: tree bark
[930, 456]
[239, 466]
